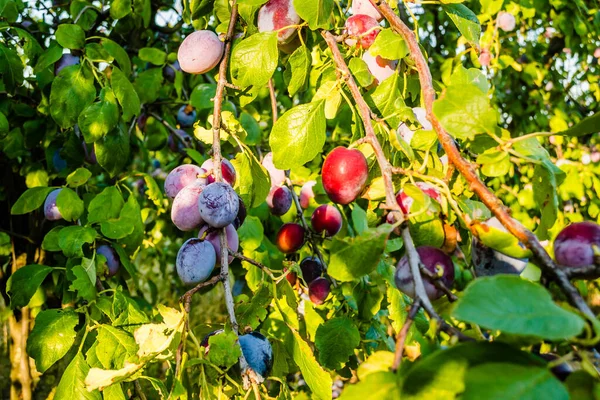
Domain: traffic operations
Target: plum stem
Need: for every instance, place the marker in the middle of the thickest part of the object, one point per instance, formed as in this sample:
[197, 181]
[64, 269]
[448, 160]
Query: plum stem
[525, 236]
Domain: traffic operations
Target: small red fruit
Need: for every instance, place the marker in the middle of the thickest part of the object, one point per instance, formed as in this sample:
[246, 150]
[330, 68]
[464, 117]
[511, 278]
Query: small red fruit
[361, 30]
[290, 238]
[326, 218]
[318, 290]
[345, 173]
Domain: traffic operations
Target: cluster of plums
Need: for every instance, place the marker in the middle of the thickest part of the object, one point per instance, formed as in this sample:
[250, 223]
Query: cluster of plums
[312, 275]
[201, 203]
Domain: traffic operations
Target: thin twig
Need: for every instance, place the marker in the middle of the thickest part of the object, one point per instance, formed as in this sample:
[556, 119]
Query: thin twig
[544, 261]
[174, 131]
[401, 337]
[273, 101]
[186, 299]
[263, 267]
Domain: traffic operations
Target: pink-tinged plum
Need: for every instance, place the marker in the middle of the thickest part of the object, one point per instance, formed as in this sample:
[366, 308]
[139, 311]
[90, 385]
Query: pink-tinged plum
[421, 115]
[169, 71]
[113, 262]
[51, 211]
[379, 67]
[184, 212]
[311, 268]
[212, 235]
[200, 52]
[326, 218]
[195, 261]
[574, 245]
[432, 258]
[290, 238]
[241, 215]
[291, 277]
[485, 57]
[361, 30]
[258, 353]
[506, 21]
[279, 200]
[186, 116]
[227, 169]
[277, 175]
[365, 7]
[66, 60]
[277, 14]
[405, 201]
[345, 174]
[597, 53]
[318, 290]
[182, 176]
[306, 194]
[488, 262]
[218, 204]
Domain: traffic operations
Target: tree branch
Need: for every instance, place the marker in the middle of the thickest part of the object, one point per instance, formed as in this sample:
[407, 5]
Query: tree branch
[401, 337]
[469, 172]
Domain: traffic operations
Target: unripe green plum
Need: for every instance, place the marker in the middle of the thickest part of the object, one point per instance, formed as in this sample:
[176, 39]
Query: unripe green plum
[195, 261]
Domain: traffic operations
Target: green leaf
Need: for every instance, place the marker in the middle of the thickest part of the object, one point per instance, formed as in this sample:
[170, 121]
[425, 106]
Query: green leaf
[584, 127]
[254, 59]
[315, 12]
[69, 204]
[494, 162]
[299, 135]
[99, 118]
[120, 8]
[51, 337]
[50, 242]
[134, 240]
[78, 177]
[118, 228]
[500, 240]
[387, 99]
[30, 200]
[120, 55]
[125, 93]
[354, 257]
[466, 21]
[379, 385]
[199, 8]
[11, 68]
[389, 45]
[112, 151]
[70, 36]
[72, 90]
[148, 84]
[510, 381]
[96, 53]
[518, 307]
[224, 349]
[252, 182]
[48, 57]
[72, 238]
[251, 312]
[336, 340]
[105, 205]
[24, 282]
[82, 284]
[202, 96]
[115, 346]
[318, 380]
[360, 71]
[72, 383]
[297, 70]
[153, 191]
[251, 233]
[152, 55]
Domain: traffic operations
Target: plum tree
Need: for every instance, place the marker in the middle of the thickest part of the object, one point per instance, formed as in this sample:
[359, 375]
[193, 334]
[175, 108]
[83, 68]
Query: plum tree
[576, 244]
[182, 176]
[318, 290]
[277, 175]
[186, 116]
[361, 30]
[379, 67]
[51, 211]
[218, 204]
[277, 14]
[306, 194]
[326, 219]
[227, 169]
[506, 21]
[290, 238]
[365, 7]
[66, 60]
[200, 52]
[195, 261]
[488, 261]
[113, 262]
[432, 259]
[212, 236]
[344, 174]
[184, 211]
[258, 353]
[311, 268]
[279, 200]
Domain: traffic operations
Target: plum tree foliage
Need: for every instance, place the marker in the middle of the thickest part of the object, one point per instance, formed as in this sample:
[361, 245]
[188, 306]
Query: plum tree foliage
[355, 199]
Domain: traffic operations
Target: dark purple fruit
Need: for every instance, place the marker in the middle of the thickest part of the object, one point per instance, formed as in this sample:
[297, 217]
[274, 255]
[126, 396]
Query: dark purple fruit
[311, 268]
[432, 259]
